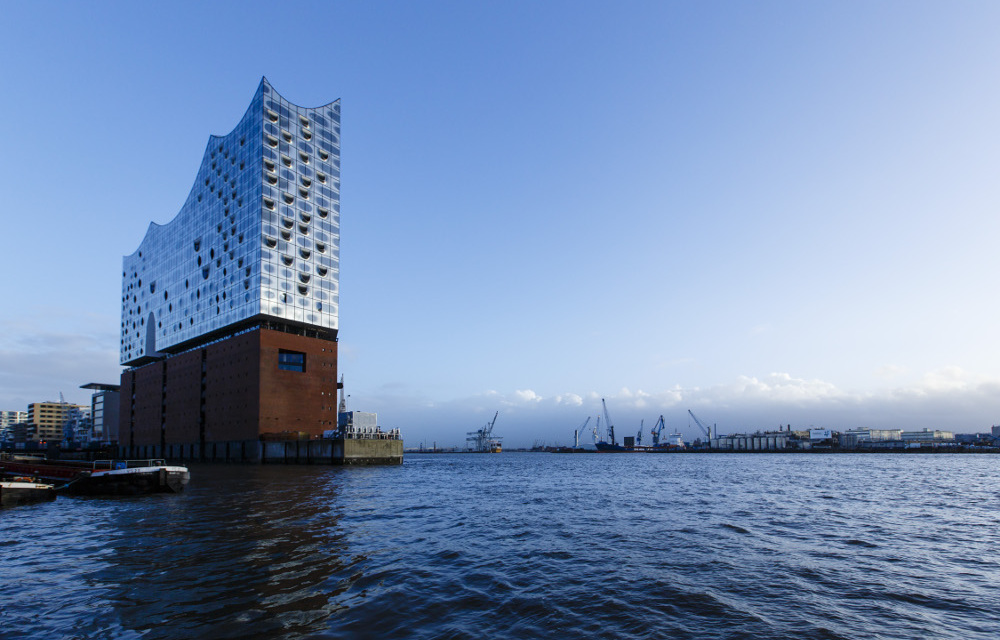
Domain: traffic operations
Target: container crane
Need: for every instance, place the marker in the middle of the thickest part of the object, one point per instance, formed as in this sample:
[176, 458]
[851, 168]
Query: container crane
[707, 430]
[638, 436]
[607, 421]
[577, 432]
[483, 440]
[657, 429]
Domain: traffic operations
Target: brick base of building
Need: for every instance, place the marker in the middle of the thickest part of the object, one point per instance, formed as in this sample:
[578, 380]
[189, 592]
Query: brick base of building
[220, 400]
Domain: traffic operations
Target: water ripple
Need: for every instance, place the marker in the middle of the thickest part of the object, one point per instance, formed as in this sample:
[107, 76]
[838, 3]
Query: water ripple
[521, 546]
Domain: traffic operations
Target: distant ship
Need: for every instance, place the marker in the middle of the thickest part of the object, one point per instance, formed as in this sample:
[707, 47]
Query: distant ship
[609, 447]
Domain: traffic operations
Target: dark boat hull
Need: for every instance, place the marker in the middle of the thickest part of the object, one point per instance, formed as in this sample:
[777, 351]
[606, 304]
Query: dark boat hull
[605, 447]
[132, 484]
[13, 494]
[76, 479]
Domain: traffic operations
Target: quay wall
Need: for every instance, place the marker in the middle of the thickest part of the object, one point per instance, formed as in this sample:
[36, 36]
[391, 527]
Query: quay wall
[313, 451]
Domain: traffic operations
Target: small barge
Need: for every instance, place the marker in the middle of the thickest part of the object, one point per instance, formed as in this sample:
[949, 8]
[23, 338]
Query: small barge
[19, 491]
[101, 477]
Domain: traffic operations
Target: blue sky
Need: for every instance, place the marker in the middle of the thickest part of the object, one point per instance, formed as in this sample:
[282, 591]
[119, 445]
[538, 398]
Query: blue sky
[769, 212]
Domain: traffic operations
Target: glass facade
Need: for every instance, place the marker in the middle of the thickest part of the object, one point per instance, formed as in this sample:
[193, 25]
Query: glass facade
[259, 234]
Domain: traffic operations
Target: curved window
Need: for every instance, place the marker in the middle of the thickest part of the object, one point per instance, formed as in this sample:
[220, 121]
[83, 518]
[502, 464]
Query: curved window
[270, 242]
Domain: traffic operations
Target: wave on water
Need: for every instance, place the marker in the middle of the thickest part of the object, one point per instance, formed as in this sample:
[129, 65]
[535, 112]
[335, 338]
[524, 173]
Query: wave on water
[520, 546]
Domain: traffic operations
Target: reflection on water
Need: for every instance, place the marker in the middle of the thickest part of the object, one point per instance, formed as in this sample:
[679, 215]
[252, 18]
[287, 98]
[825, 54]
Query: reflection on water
[521, 545]
[251, 551]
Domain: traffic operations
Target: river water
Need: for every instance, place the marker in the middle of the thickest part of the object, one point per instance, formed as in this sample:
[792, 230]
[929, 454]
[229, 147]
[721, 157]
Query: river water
[522, 545]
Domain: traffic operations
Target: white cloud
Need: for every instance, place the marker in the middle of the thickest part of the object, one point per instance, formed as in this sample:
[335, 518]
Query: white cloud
[570, 399]
[527, 395]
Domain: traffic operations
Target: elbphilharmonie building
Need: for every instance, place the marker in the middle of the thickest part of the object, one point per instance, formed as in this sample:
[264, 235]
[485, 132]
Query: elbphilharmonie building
[229, 311]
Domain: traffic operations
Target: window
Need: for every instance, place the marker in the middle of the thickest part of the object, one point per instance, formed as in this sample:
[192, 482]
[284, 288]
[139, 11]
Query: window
[291, 360]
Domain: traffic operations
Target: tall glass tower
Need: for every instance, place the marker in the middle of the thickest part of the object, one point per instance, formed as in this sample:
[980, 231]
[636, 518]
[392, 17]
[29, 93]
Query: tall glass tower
[230, 310]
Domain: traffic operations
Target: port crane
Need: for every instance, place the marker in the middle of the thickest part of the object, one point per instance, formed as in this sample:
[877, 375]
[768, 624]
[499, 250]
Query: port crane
[638, 436]
[483, 440]
[577, 432]
[607, 421]
[657, 429]
[707, 430]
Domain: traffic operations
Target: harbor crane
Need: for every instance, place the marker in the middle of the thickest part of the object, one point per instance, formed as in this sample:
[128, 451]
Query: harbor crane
[483, 440]
[607, 421]
[577, 432]
[707, 430]
[638, 436]
[657, 429]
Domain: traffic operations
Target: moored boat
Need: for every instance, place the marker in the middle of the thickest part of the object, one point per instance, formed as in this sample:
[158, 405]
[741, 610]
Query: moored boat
[19, 491]
[101, 477]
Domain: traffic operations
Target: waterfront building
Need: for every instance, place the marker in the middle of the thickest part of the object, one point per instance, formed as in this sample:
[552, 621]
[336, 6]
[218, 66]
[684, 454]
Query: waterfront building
[104, 411]
[10, 418]
[7, 421]
[22, 433]
[927, 437]
[48, 420]
[868, 438]
[230, 311]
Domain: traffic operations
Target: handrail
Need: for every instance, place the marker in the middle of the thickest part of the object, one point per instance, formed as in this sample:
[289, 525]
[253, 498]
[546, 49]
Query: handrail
[128, 464]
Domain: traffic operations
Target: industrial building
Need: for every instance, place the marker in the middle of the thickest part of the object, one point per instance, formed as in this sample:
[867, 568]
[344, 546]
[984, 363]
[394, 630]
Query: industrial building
[230, 311]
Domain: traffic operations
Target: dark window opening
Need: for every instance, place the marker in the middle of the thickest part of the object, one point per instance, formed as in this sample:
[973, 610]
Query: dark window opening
[291, 360]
